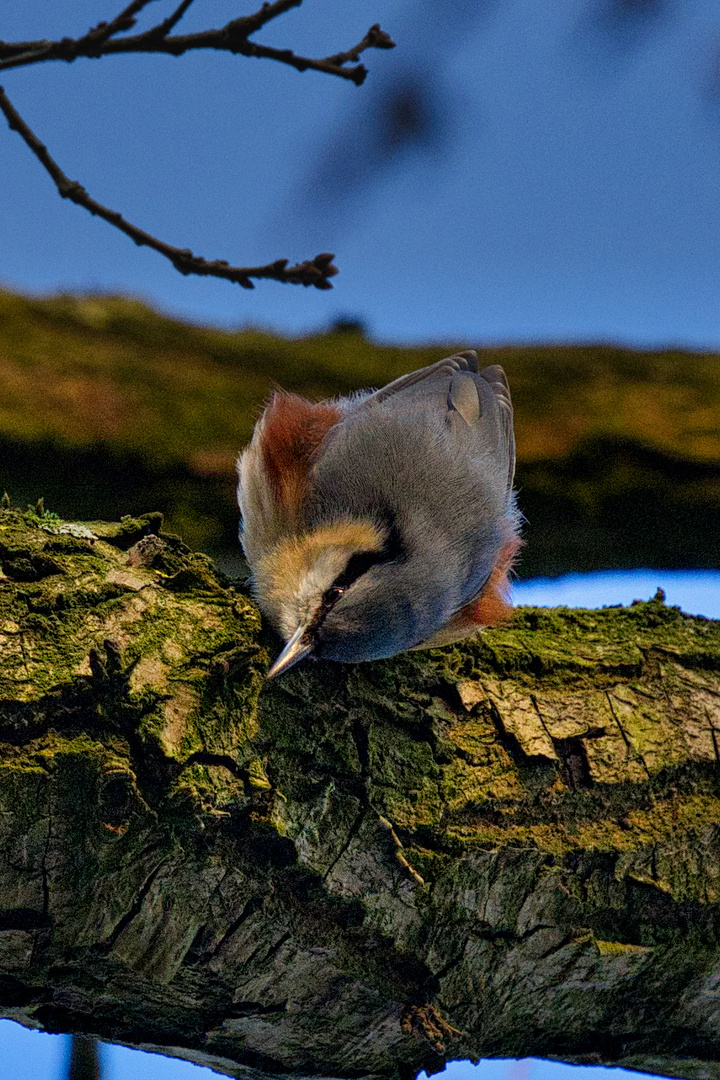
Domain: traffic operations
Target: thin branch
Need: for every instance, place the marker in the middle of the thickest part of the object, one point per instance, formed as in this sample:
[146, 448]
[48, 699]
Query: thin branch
[129, 13]
[374, 39]
[167, 24]
[331, 65]
[312, 272]
[27, 52]
[248, 24]
[34, 54]
[17, 48]
[101, 40]
[234, 38]
[124, 21]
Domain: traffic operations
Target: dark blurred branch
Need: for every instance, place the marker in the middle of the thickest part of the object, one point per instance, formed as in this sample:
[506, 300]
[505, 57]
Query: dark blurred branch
[312, 272]
[84, 1059]
[234, 37]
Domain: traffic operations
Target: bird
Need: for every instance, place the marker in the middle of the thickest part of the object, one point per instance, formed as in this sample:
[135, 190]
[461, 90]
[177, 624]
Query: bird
[384, 521]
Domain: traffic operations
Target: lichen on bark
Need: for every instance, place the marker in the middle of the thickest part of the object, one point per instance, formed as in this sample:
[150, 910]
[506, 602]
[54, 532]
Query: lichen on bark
[508, 847]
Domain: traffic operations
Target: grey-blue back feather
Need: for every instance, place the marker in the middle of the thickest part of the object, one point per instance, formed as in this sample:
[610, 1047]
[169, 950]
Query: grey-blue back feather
[432, 456]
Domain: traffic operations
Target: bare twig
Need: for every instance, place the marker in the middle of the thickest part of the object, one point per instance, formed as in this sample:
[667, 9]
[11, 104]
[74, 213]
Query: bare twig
[17, 48]
[234, 37]
[124, 21]
[248, 24]
[32, 52]
[126, 18]
[331, 65]
[374, 39]
[102, 40]
[166, 25]
[312, 272]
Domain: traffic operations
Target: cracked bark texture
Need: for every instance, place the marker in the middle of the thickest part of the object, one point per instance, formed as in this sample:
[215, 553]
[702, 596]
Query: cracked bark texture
[505, 848]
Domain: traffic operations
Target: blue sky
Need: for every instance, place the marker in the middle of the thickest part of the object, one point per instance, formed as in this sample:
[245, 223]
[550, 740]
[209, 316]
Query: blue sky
[31, 1055]
[696, 592]
[566, 188]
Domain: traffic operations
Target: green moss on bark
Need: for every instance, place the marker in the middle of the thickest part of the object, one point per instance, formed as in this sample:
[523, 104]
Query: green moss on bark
[507, 847]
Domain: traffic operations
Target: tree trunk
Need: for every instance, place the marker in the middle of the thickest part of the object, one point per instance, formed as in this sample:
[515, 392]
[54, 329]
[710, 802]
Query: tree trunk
[505, 848]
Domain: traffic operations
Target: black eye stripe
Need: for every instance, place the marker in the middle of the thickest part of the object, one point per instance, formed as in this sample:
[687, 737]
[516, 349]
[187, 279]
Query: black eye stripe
[358, 564]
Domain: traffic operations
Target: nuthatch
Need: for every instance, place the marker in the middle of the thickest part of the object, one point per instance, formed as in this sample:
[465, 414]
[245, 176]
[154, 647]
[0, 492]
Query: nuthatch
[383, 521]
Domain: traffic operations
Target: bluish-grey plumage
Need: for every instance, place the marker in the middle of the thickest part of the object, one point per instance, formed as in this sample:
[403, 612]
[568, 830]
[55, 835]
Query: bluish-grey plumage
[432, 456]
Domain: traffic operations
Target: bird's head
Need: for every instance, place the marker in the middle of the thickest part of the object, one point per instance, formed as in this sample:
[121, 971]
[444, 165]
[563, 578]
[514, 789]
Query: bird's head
[328, 592]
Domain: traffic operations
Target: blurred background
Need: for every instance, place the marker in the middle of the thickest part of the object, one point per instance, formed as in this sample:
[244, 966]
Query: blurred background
[512, 171]
[538, 180]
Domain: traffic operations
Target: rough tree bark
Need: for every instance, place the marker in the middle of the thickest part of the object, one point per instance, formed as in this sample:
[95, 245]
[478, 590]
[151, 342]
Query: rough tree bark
[507, 848]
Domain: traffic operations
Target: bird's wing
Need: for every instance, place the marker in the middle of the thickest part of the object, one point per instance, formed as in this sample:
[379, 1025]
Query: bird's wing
[495, 377]
[462, 388]
[468, 398]
[465, 361]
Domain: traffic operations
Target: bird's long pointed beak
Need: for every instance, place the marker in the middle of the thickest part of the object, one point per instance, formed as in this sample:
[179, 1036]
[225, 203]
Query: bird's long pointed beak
[297, 647]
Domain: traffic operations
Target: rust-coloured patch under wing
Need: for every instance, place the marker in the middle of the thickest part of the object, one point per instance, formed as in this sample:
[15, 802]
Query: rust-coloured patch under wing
[490, 607]
[292, 430]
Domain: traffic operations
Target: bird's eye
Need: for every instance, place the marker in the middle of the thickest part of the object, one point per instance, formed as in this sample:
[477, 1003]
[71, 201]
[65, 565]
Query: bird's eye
[330, 599]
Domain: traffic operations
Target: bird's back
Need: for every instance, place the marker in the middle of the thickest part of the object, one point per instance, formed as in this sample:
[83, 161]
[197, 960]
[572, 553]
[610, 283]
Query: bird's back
[432, 456]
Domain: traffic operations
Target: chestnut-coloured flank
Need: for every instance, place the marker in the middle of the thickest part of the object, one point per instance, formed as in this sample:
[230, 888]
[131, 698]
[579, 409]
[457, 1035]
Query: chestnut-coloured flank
[489, 608]
[492, 606]
[292, 431]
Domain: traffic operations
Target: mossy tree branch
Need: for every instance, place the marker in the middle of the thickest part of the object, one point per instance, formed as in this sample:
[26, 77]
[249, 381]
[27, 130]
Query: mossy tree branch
[507, 848]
